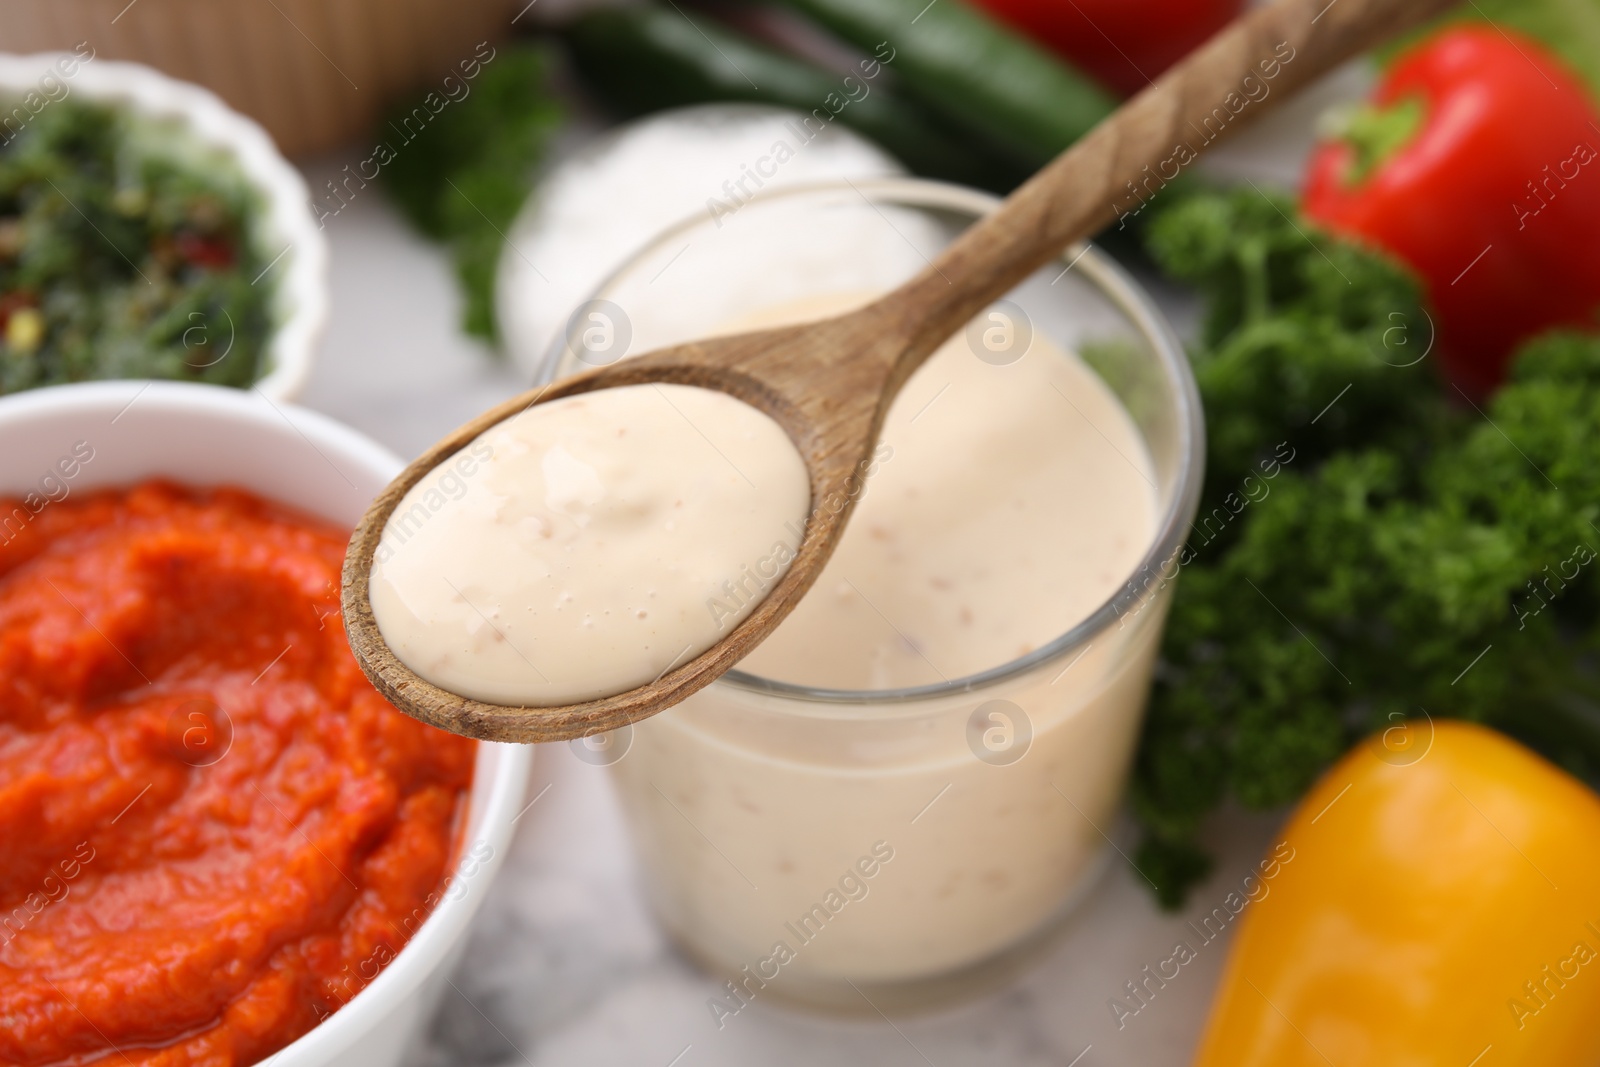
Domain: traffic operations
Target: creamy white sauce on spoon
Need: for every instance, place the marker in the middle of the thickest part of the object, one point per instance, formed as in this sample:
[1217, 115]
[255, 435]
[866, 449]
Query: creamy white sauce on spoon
[588, 545]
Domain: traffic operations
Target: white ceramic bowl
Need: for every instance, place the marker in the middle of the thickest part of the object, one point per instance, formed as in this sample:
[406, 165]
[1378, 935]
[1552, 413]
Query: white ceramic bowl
[300, 278]
[213, 435]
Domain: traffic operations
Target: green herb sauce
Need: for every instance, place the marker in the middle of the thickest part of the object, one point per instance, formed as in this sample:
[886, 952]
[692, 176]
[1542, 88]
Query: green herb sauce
[127, 250]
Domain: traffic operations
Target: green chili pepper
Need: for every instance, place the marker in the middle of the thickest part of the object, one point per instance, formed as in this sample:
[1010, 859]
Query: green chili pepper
[642, 59]
[990, 80]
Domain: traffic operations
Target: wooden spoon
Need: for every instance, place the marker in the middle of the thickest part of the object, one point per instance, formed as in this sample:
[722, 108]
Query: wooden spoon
[829, 383]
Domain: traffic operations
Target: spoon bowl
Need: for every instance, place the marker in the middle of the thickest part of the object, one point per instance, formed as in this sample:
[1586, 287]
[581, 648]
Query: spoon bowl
[829, 383]
[834, 432]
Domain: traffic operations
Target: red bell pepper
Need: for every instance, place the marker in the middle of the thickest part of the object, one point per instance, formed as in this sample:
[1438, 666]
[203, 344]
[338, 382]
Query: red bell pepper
[1476, 164]
[213, 253]
[1123, 44]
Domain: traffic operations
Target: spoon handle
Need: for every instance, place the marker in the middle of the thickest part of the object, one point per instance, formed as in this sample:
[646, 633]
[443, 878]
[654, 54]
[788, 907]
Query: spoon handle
[1124, 162]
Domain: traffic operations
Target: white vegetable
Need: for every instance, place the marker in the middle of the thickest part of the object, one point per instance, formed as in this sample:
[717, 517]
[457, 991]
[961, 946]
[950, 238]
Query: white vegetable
[596, 209]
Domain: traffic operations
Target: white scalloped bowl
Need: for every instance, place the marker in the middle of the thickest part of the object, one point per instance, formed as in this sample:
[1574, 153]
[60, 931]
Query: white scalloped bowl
[300, 277]
[207, 435]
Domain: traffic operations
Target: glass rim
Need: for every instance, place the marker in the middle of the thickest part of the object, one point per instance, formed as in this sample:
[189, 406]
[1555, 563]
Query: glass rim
[1126, 295]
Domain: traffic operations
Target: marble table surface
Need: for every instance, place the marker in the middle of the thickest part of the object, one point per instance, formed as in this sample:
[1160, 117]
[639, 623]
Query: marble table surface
[565, 964]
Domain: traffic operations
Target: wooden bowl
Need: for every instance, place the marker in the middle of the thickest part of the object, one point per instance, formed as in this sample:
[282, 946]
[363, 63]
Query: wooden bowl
[315, 73]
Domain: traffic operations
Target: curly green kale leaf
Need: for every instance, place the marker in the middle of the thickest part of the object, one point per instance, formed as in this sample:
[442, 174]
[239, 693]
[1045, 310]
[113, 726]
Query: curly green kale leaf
[1411, 555]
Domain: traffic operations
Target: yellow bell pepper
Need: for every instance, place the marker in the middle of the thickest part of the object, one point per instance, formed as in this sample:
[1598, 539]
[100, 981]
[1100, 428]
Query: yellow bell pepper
[1442, 910]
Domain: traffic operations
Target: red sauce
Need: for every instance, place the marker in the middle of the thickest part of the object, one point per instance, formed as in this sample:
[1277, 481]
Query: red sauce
[213, 831]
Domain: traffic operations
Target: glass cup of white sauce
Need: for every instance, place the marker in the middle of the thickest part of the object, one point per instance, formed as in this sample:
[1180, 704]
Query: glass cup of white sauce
[901, 791]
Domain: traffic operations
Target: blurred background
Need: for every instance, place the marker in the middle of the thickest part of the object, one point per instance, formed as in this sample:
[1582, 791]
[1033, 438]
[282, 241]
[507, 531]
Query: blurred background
[478, 167]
